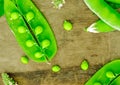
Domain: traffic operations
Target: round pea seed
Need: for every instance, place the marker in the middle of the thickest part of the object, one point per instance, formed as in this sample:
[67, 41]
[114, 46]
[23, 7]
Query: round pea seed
[21, 29]
[67, 25]
[38, 30]
[29, 16]
[110, 74]
[84, 65]
[97, 83]
[38, 55]
[45, 43]
[29, 43]
[14, 15]
[56, 68]
[24, 60]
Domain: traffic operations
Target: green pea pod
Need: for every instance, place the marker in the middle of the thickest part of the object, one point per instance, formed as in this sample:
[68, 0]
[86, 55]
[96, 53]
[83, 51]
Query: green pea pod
[106, 13]
[115, 6]
[22, 32]
[39, 26]
[116, 81]
[106, 74]
[99, 26]
[1, 8]
[114, 1]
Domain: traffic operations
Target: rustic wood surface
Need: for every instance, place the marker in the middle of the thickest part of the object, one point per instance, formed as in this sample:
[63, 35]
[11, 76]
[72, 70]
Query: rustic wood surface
[73, 47]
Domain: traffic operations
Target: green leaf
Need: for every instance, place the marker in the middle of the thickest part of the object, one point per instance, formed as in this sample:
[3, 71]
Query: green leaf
[7, 80]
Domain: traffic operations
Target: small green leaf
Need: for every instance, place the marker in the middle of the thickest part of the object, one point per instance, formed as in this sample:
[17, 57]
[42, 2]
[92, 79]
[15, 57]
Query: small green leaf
[7, 80]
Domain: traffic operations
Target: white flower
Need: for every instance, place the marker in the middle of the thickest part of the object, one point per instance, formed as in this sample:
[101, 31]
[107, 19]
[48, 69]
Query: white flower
[58, 3]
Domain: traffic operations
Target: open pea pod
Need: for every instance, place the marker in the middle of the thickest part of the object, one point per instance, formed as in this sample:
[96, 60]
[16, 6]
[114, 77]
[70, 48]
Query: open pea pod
[99, 27]
[39, 51]
[40, 27]
[1, 8]
[116, 81]
[113, 5]
[21, 31]
[106, 74]
[114, 1]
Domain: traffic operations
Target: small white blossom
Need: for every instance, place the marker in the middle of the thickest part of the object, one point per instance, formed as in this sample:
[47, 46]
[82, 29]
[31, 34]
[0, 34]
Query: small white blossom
[58, 3]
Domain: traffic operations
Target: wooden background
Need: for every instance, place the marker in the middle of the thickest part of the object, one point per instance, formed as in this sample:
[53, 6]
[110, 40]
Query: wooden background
[73, 47]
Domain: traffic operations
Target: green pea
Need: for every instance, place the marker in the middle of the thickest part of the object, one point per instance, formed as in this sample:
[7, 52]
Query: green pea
[110, 74]
[24, 60]
[29, 43]
[106, 74]
[29, 16]
[67, 25]
[39, 26]
[45, 43]
[38, 54]
[22, 32]
[38, 30]
[84, 65]
[97, 83]
[1, 8]
[14, 15]
[99, 27]
[21, 29]
[103, 11]
[56, 68]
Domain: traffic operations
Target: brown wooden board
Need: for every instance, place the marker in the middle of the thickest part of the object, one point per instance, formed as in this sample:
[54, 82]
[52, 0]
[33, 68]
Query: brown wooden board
[73, 47]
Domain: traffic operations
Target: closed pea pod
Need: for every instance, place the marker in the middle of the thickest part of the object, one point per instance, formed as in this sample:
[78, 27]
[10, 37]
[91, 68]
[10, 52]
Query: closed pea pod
[21, 31]
[106, 74]
[99, 26]
[39, 26]
[103, 10]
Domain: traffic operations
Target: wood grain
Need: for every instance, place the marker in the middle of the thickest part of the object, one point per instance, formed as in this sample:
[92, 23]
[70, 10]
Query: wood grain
[73, 47]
